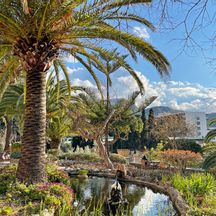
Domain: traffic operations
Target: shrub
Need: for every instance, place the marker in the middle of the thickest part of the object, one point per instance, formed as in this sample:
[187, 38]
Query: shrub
[90, 157]
[117, 158]
[180, 158]
[60, 191]
[188, 145]
[195, 186]
[55, 175]
[7, 177]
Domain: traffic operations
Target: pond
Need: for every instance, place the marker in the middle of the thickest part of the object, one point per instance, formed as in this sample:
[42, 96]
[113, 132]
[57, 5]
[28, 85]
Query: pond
[142, 201]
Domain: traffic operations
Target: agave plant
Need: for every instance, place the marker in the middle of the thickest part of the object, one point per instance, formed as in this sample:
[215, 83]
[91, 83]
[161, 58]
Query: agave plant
[35, 34]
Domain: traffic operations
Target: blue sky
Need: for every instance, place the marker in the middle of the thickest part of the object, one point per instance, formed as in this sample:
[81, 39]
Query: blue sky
[192, 82]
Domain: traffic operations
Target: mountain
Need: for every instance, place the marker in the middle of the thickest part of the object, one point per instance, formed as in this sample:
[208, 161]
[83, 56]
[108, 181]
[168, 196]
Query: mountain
[162, 109]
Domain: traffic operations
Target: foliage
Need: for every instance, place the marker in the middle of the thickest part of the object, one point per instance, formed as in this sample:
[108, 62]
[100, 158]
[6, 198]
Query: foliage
[6, 210]
[197, 189]
[188, 145]
[55, 175]
[154, 153]
[117, 158]
[7, 178]
[29, 198]
[91, 157]
[210, 155]
[179, 158]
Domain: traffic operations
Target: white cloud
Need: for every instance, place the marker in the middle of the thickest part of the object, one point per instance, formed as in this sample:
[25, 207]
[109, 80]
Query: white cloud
[70, 59]
[72, 70]
[141, 32]
[175, 94]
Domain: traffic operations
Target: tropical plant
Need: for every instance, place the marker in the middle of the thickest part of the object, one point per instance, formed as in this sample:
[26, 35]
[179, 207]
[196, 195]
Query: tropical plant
[34, 34]
[13, 102]
[90, 118]
[210, 149]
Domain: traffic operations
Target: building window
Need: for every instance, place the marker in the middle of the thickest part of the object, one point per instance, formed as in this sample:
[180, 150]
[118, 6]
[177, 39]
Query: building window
[197, 118]
[199, 133]
[198, 128]
[198, 123]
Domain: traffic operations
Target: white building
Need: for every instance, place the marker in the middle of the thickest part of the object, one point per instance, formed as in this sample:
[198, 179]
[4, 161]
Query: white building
[199, 121]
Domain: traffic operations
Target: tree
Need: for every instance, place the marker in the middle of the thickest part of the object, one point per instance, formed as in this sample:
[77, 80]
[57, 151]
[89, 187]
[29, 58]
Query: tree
[180, 158]
[90, 119]
[172, 127]
[108, 65]
[143, 138]
[151, 141]
[34, 34]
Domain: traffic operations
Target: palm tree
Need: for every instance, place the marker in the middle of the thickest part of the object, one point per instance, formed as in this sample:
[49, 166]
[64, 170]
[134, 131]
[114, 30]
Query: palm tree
[89, 114]
[108, 65]
[34, 34]
[12, 106]
[210, 149]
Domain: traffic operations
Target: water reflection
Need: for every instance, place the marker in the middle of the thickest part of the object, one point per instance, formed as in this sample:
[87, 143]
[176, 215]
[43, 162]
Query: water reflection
[142, 201]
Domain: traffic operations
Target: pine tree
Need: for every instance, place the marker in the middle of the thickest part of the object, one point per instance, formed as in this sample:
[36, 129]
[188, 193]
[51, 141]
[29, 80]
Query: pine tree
[151, 141]
[144, 133]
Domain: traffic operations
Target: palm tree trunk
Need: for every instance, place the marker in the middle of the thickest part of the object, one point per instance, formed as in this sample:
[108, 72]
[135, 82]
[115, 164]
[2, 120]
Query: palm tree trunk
[55, 144]
[103, 153]
[7, 148]
[31, 168]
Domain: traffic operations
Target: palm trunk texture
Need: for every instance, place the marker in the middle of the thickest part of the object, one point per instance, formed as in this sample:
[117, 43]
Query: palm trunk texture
[31, 168]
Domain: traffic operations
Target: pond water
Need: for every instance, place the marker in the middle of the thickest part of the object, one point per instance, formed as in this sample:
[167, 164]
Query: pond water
[142, 201]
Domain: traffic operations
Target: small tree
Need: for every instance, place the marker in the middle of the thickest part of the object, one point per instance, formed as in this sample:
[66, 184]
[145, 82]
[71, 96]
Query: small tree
[172, 127]
[180, 158]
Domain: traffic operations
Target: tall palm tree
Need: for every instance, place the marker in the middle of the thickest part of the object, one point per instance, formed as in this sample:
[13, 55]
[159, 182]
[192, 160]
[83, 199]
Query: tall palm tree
[34, 34]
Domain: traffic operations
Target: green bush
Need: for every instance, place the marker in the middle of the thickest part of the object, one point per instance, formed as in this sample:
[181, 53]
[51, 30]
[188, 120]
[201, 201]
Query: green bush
[50, 195]
[7, 177]
[117, 158]
[90, 157]
[195, 187]
[55, 175]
